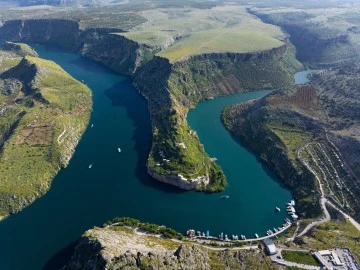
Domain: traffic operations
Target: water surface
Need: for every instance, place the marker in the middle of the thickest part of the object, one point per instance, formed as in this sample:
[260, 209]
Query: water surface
[118, 185]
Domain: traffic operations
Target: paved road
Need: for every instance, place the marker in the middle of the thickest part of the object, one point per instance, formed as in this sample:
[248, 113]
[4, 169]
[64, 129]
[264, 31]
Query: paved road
[353, 221]
[277, 258]
[322, 203]
[292, 264]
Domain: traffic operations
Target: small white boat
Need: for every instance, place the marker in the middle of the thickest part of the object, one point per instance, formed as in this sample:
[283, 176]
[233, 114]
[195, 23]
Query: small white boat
[277, 209]
[90, 166]
[92, 125]
[256, 235]
[119, 150]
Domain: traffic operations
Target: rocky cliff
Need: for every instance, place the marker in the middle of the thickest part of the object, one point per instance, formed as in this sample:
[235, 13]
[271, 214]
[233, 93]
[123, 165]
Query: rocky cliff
[321, 38]
[120, 54]
[117, 247]
[173, 88]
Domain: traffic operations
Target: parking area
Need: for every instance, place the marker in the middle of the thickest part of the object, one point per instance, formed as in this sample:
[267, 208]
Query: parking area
[337, 259]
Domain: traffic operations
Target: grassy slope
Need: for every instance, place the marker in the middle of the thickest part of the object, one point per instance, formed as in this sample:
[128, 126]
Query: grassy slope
[248, 36]
[194, 31]
[31, 155]
[299, 257]
[338, 233]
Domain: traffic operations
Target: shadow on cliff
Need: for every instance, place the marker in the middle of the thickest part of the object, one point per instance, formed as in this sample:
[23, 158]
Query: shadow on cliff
[91, 66]
[137, 111]
[266, 167]
[61, 258]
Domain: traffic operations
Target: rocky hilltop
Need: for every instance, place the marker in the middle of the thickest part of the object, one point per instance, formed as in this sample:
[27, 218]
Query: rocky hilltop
[38, 102]
[120, 247]
[120, 54]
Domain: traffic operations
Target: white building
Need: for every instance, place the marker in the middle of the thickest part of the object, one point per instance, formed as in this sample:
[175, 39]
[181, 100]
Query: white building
[270, 246]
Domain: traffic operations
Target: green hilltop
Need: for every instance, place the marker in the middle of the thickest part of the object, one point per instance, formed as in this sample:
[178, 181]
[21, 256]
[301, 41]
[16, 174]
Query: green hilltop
[38, 102]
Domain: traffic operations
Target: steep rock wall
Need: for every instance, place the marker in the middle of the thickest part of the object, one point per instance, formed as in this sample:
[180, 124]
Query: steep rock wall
[173, 88]
[116, 52]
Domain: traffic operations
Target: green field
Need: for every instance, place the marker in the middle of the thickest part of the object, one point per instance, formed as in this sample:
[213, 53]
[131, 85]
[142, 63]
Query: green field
[299, 257]
[187, 31]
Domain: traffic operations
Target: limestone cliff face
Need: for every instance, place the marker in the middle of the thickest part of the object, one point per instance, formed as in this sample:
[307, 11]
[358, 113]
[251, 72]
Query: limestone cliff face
[173, 88]
[119, 248]
[118, 53]
[180, 181]
[316, 45]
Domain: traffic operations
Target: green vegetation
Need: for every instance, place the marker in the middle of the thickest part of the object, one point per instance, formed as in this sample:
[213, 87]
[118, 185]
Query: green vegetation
[299, 257]
[20, 49]
[291, 137]
[250, 35]
[38, 130]
[8, 60]
[176, 148]
[148, 227]
[334, 234]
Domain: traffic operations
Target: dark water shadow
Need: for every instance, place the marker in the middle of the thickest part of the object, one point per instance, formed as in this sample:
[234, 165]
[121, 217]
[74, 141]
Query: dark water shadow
[266, 167]
[61, 258]
[89, 65]
[137, 111]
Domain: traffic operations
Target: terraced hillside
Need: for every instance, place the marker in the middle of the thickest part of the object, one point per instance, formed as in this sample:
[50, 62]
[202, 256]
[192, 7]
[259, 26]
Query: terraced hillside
[44, 112]
[310, 132]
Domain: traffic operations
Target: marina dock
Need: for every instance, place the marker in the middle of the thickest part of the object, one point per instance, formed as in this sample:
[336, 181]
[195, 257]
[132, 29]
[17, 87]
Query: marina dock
[213, 238]
[235, 238]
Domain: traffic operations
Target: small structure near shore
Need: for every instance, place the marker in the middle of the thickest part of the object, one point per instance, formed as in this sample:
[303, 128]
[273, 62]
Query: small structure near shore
[270, 247]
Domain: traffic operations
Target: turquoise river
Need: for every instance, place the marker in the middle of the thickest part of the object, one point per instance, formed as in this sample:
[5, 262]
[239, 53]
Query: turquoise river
[43, 234]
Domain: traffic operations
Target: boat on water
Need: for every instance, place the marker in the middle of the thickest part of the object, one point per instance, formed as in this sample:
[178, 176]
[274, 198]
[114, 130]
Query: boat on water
[256, 235]
[119, 150]
[90, 166]
[225, 197]
[277, 209]
[92, 125]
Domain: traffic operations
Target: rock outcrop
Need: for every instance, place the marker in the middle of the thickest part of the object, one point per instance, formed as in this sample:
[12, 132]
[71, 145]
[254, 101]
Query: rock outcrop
[120, 248]
[117, 247]
[118, 53]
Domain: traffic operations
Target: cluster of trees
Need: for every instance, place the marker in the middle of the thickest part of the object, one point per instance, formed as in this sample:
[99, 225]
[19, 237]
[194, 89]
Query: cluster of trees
[148, 227]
